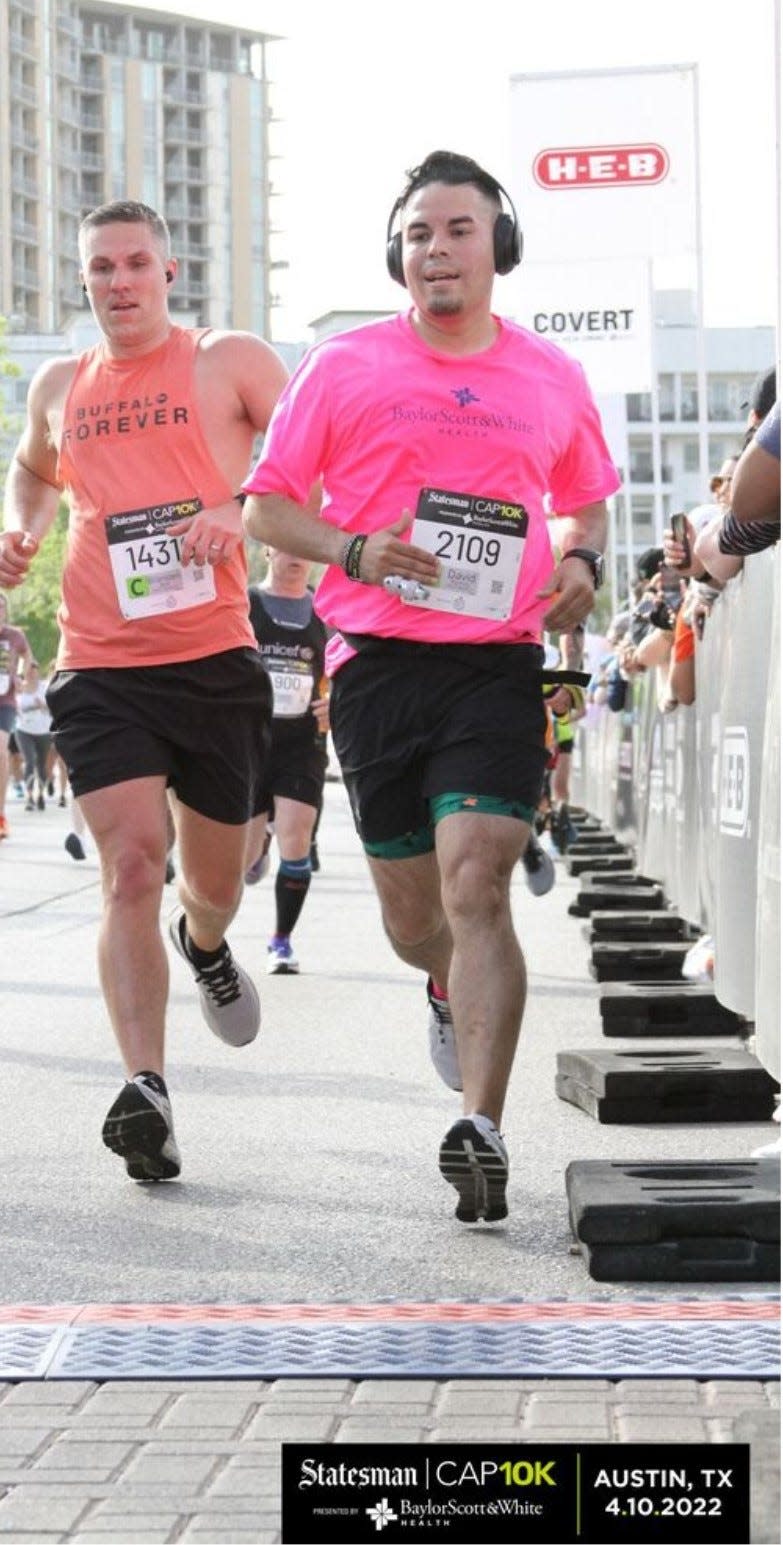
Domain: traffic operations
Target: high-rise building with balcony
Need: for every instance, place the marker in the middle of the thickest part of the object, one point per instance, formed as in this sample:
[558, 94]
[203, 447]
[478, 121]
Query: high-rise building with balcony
[100, 101]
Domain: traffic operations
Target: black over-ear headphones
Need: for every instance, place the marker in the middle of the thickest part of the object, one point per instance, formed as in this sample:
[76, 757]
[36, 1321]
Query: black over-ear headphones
[507, 238]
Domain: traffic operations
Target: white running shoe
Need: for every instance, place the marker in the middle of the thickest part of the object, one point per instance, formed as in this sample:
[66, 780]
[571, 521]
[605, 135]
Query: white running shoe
[229, 1001]
[280, 958]
[443, 1042]
[538, 866]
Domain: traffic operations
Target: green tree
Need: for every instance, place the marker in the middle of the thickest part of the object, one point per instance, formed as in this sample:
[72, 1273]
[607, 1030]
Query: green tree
[34, 605]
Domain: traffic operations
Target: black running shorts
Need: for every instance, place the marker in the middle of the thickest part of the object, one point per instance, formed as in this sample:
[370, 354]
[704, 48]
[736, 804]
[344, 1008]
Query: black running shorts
[412, 721]
[297, 762]
[202, 724]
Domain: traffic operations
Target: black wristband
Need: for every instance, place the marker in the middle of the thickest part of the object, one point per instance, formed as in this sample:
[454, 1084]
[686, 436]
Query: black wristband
[353, 556]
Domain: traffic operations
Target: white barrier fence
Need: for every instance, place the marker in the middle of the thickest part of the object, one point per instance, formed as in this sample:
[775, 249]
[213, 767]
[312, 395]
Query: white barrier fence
[697, 790]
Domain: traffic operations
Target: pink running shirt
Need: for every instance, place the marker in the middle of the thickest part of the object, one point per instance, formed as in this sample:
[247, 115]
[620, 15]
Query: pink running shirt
[377, 415]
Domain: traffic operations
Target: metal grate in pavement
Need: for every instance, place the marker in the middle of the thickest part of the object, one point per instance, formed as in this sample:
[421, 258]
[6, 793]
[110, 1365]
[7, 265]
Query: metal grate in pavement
[573, 1349]
[27, 1350]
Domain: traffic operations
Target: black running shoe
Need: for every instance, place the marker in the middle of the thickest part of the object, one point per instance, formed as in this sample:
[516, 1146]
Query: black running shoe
[73, 844]
[139, 1127]
[564, 833]
[474, 1160]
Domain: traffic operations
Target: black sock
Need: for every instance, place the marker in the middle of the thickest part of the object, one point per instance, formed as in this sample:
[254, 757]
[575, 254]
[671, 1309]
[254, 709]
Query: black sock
[200, 958]
[290, 894]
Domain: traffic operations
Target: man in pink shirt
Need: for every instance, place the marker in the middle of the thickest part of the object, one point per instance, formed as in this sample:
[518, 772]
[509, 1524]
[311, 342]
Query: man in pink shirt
[440, 437]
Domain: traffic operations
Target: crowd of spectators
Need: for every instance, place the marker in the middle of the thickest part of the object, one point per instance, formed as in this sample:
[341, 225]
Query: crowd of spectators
[677, 583]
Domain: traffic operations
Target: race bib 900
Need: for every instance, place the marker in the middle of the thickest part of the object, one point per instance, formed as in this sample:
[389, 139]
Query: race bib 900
[480, 543]
[147, 562]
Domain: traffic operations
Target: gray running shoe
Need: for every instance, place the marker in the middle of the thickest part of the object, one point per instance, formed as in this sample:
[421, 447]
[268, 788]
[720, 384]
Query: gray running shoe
[539, 867]
[139, 1127]
[443, 1042]
[229, 1001]
[473, 1158]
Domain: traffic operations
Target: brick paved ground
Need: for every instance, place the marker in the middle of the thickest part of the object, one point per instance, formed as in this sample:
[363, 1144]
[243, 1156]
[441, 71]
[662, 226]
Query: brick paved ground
[199, 1461]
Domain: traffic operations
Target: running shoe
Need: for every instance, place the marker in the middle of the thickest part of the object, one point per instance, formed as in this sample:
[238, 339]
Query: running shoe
[564, 833]
[538, 866]
[139, 1127]
[473, 1158]
[41, 802]
[257, 870]
[73, 844]
[260, 868]
[443, 1042]
[5, 830]
[29, 804]
[280, 958]
[229, 1001]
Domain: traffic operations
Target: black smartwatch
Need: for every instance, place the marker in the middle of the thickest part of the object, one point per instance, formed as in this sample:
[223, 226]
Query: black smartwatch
[592, 558]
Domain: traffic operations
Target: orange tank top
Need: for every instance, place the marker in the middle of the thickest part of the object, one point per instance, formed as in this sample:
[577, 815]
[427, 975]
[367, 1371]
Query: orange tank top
[133, 459]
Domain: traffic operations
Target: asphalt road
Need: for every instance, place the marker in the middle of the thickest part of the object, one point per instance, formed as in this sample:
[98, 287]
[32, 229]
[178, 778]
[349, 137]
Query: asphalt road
[310, 1158]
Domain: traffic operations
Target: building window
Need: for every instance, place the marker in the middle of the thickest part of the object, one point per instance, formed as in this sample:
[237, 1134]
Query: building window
[689, 399]
[690, 456]
[639, 407]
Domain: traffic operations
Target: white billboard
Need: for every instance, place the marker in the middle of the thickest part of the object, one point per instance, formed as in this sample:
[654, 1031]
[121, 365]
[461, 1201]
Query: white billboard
[605, 163]
[599, 311]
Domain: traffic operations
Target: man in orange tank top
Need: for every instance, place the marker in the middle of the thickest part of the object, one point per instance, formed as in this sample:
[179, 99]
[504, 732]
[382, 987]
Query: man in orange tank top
[159, 686]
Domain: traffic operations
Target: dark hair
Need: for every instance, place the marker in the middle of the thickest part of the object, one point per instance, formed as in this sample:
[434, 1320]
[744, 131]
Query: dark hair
[446, 166]
[128, 212]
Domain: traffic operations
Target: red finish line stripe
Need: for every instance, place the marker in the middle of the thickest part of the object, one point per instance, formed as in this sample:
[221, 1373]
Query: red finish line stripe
[411, 1313]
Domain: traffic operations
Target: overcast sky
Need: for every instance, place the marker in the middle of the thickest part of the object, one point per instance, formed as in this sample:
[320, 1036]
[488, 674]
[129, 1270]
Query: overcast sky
[366, 90]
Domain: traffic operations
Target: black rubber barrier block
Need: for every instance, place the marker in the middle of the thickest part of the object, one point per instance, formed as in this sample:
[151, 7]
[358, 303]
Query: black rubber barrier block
[597, 842]
[684, 1260]
[668, 1084]
[626, 1202]
[599, 863]
[605, 895]
[667, 1008]
[620, 881]
[644, 927]
[624, 960]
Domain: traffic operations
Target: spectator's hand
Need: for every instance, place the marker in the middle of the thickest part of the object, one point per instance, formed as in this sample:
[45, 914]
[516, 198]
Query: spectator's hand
[574, 591]
[17, 550]
[674, 552]
[384, 554]
[211, 536]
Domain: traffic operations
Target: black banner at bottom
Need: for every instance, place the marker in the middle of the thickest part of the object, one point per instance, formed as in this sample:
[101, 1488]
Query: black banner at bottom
[488, 1493]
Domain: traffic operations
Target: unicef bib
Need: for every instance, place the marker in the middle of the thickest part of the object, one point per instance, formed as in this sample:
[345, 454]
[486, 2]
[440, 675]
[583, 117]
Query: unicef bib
[147, 563]
[292, 686]
[480, 543]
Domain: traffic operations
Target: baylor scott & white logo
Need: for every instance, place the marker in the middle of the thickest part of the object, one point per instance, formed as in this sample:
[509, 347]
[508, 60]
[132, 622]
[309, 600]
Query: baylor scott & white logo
[381, 1514]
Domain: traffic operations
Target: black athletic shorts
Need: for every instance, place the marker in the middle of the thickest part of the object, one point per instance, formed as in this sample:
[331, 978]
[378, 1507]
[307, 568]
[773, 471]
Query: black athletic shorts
[411, 722]
[202, 724]
[297, 762]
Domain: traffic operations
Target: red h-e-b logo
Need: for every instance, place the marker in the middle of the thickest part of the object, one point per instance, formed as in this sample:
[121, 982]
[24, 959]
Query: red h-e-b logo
[601, 166]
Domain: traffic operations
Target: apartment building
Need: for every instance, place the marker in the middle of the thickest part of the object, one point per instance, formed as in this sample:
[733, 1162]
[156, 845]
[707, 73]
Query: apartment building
[663, 429]
[100, 101]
